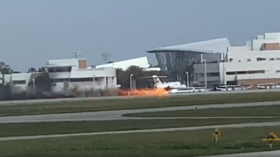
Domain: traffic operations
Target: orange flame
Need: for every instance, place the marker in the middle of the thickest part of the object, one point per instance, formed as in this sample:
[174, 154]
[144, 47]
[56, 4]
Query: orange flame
[144, 92]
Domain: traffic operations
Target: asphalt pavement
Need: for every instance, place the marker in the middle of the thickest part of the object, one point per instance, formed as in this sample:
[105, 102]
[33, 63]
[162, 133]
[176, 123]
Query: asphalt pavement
[117, 115]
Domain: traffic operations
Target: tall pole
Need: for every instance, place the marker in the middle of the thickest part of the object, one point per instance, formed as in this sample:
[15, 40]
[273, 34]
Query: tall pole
[187, 73]
[205, 73]
[130, 80]
[77, 53]
[93, 81]
[34, 85]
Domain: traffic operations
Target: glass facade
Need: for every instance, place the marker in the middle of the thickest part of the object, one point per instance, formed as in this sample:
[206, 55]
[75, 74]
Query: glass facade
[179, 60]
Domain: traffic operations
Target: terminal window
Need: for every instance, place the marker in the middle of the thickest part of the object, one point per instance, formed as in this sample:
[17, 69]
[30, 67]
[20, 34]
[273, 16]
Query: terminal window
[245, 72]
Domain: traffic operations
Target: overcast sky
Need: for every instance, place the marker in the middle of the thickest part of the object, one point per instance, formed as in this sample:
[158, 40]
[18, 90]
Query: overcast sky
[33, 31]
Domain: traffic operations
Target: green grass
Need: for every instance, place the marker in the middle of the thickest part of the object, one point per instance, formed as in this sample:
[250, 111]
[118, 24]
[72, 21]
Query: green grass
[217, 112]
[165, 144]
[48, 128]
[135, 103]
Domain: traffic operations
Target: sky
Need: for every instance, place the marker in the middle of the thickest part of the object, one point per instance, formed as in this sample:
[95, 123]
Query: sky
[34, 31]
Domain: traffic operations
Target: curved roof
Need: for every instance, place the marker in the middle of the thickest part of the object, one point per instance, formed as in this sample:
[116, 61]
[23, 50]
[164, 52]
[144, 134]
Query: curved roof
[208, 46]
[141, 62]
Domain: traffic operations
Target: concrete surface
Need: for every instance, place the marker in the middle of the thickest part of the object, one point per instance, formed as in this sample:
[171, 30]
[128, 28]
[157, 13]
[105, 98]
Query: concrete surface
[117, 115]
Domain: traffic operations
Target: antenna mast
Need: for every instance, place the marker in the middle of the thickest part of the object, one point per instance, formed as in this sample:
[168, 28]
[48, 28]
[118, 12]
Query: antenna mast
[77, 53]
[106, 57]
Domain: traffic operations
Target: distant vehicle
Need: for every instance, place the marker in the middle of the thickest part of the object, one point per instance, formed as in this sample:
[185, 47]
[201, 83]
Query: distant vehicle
[277, 86]
[200, 89]
[227, 88]
[185, 90]
[268, 86]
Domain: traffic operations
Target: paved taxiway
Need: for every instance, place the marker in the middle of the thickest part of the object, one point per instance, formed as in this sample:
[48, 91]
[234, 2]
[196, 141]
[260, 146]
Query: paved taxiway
[22, 102]
[117, 115]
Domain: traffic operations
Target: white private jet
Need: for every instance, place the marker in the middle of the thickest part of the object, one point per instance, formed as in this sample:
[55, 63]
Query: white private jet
[176, 87]
[167, 85]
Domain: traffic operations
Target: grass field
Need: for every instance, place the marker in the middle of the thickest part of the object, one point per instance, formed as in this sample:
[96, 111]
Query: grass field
[218, 112]
[48, 128]
[165, 144]
[135, 103]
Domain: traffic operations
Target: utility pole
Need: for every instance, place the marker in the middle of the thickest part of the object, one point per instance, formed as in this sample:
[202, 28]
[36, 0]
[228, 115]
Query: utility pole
[77, 53]
[106, 57]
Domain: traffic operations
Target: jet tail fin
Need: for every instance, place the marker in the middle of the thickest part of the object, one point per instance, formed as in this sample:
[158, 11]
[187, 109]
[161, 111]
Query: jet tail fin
[157, 81]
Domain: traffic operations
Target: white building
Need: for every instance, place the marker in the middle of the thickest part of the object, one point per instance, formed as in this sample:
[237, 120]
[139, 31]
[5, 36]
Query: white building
[255, 63]
[68, 75]
[20, 82]
[141, 62]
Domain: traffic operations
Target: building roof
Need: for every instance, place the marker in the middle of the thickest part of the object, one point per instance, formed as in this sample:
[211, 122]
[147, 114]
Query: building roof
[208, 46]
[141, 62]
[59, 65]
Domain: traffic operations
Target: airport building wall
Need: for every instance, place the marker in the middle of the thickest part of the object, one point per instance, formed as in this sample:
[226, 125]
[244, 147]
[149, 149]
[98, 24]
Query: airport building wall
[177, 58]
[72, 75]
[255, 62]
[243, 72]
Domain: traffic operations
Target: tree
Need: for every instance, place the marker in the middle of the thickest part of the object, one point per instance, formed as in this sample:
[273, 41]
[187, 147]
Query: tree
[42, 69]
[123, 76]
[137, 72]
[31, 70]
[6, 70]
[120, 76]
[190, 70]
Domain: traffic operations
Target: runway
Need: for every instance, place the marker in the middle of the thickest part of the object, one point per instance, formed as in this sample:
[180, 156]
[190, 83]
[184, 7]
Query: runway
[117, 115]
[22, 102]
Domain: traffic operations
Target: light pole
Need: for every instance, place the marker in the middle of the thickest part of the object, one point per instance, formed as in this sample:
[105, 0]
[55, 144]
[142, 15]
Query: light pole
[187, 73]
[93, 81]
[34, 85]
[130, 80]
[77, 53]
[205, 72]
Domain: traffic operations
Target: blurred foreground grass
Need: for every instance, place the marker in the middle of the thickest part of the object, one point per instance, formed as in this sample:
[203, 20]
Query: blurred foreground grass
[48, 128]
[165, 144]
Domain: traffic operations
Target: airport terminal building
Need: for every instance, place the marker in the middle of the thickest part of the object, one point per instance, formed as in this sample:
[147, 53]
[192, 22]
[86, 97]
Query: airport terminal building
[254, 63]
[174, 58]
